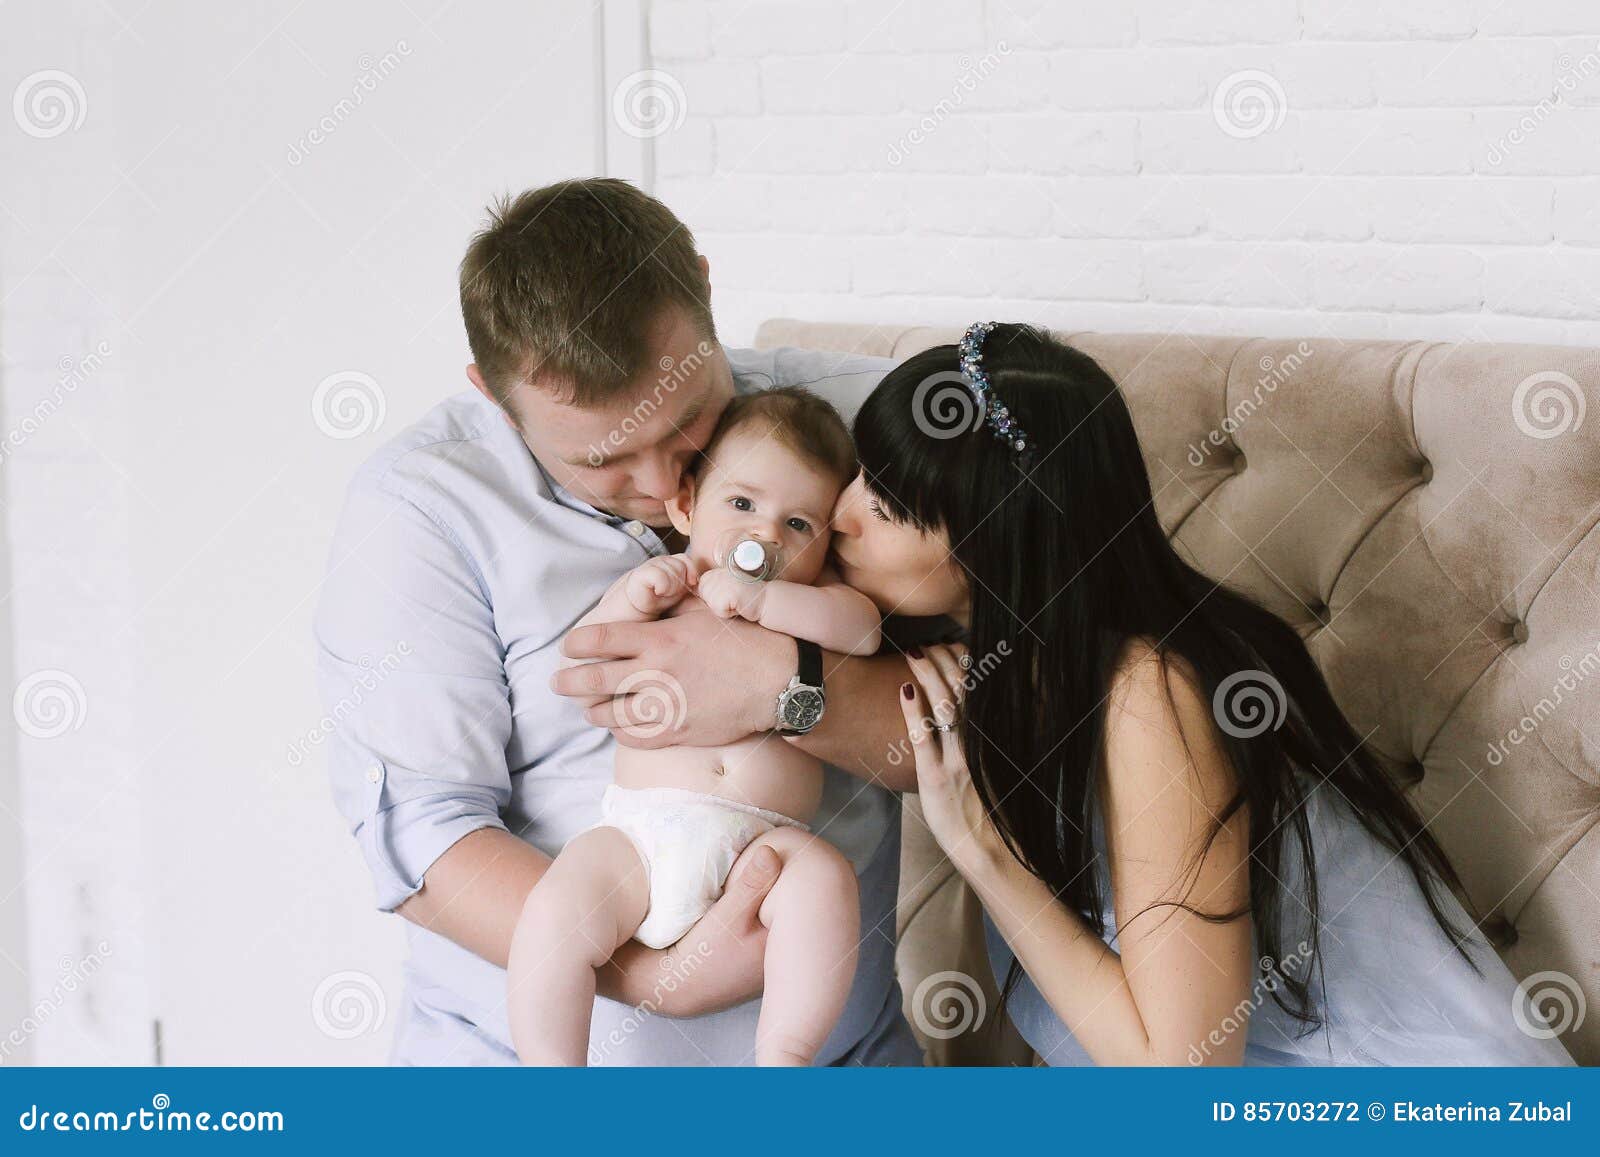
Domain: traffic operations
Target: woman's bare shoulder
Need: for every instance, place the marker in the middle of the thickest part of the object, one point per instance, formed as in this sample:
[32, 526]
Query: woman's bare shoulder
[1159, 721]
[1148, 681]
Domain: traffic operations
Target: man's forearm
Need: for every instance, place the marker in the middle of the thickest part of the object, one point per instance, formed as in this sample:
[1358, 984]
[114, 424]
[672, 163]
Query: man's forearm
[863, 730]
[731, 672]
[473, 894]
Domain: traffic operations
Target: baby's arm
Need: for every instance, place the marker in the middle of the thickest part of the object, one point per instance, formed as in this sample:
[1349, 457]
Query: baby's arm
[836, 617]
[832, 615]
[646, 592]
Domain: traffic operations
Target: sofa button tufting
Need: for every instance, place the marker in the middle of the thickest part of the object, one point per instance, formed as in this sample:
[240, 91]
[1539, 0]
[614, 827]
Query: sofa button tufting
[1425, 472]
[1519, 632]
[1499, 932]
[1239, 463]
[1414, 772]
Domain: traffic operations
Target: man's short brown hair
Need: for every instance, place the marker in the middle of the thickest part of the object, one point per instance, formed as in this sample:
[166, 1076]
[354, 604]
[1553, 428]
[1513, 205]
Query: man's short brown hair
[566, 284]
[799, 420]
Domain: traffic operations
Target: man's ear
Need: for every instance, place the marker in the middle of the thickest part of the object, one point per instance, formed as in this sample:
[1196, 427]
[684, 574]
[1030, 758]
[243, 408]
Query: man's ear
[705, 270]
[475, 375]
[680, 505]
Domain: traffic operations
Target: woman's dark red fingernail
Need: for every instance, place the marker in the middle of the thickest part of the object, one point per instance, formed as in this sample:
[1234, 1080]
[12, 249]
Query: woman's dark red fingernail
[915, 652]
[906, 691]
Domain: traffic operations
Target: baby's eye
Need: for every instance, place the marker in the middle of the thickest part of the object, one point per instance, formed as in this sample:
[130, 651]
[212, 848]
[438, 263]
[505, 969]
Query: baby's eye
[740, 502]
[799, 525]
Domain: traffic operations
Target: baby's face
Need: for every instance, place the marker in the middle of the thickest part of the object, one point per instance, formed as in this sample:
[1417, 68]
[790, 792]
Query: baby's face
[754, 486]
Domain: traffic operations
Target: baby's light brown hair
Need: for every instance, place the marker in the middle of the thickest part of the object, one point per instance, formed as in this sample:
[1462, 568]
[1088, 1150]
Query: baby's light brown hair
[799, 420]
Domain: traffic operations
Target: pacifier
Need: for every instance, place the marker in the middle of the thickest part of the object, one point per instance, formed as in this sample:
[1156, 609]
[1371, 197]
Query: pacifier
[751, 559]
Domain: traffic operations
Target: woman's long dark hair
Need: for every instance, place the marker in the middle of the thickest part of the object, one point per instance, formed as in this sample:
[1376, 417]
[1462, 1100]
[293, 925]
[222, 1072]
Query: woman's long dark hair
[1068, 565]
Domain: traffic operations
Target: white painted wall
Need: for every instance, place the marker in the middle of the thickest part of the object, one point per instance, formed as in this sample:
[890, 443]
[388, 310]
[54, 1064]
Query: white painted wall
[1059, 161]
[169, 516]
[66, 420]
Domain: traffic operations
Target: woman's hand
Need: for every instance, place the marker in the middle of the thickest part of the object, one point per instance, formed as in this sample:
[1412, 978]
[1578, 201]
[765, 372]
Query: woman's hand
[932, 708]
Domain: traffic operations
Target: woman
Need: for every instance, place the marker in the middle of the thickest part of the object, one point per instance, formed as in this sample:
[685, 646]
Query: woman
[1181, 879]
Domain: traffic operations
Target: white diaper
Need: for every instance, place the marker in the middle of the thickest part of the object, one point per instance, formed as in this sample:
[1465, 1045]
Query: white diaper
[688, 842]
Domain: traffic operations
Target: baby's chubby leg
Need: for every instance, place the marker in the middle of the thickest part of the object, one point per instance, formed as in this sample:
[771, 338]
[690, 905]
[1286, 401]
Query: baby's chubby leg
[813, 922]
[587, 905]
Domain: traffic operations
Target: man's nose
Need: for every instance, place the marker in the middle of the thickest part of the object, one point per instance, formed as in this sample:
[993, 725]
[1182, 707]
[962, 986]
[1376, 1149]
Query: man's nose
[661, 478]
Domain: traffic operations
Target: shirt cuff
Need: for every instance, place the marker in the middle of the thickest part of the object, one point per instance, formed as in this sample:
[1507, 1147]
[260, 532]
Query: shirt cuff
[401, 842]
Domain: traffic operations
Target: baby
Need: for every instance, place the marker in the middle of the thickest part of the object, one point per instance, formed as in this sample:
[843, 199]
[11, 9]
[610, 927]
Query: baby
[675, 820]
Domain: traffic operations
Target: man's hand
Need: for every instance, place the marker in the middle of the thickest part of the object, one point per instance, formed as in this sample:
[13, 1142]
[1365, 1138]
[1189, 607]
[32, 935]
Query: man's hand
[730, 596]
[725, 673]
[730, 937]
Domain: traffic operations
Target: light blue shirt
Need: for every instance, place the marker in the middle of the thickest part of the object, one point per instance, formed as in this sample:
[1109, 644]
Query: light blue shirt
[456, 568]
[1390, 987]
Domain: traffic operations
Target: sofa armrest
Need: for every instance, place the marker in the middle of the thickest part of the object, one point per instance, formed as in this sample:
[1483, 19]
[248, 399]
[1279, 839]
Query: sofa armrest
[951, 999]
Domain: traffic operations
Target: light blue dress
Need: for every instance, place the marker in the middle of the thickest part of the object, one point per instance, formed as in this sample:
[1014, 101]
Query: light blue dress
[1391, 988]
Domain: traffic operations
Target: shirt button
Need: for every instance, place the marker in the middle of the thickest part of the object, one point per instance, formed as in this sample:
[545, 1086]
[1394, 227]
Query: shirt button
[634, 527]
[374, 773]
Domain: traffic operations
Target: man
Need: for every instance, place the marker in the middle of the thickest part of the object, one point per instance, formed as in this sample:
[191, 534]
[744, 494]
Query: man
[471, 543]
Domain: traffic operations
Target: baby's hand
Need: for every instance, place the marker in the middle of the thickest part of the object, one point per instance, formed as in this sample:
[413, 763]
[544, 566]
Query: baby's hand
[729, 596]
[659, 584]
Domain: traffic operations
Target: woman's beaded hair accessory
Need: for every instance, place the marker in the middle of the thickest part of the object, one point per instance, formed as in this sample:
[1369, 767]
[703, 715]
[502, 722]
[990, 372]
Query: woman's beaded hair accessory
[995, 415]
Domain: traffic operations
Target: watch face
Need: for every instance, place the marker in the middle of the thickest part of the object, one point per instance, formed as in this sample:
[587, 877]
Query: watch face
[802, 708]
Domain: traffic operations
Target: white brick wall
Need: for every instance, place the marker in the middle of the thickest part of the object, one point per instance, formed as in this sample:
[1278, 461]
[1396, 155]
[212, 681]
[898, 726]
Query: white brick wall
[1433, 174]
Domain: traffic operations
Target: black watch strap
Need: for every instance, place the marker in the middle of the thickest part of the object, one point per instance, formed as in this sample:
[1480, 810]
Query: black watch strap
[810, 662]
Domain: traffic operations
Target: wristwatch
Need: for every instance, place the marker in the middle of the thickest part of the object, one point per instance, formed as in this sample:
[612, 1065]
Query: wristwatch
[801, 703]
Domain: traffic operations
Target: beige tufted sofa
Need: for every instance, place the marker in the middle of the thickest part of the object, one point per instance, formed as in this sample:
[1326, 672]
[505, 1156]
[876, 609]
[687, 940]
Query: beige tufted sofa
[1425, 515]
